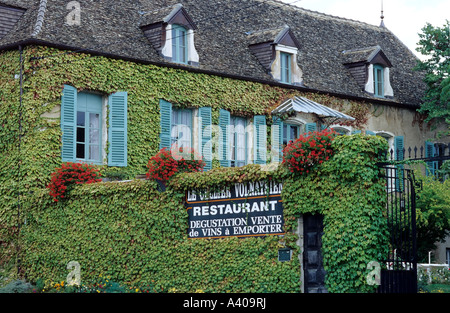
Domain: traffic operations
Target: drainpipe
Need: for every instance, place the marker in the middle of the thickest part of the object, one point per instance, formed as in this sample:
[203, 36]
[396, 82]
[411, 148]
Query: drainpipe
[19, 194]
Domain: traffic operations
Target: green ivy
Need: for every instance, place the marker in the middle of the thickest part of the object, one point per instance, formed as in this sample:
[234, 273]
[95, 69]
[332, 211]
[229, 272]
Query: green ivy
[130, 231]
[349, 192]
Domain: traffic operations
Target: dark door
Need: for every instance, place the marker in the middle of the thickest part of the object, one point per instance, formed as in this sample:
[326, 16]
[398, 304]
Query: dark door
[312, 254]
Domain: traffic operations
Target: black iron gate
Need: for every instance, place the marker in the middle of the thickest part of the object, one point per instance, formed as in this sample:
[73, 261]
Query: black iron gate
[399, 270]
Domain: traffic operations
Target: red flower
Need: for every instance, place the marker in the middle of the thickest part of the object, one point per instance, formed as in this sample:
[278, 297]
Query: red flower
[166, 164]
[71, 173]
[308, 151]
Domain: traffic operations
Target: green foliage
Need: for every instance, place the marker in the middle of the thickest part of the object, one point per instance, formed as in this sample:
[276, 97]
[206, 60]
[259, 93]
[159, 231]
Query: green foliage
[131, 232]
[348, 191]
[17, 286]
[435, 43]
[432, 215]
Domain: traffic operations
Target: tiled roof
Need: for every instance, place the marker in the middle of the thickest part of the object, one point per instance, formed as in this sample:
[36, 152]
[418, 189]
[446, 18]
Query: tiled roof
[225, 29]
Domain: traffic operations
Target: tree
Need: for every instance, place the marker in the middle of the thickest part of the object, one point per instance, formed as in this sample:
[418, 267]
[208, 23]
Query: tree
[434, 43]
[432, 215]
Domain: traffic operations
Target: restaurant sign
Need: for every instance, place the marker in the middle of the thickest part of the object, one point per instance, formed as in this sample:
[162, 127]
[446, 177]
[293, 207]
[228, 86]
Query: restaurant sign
[243, 209]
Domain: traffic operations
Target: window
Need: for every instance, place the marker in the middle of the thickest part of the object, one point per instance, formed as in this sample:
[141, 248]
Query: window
[181, 130]
[238, 142]
[341, 130]
[89, 128]
[233, 140]
[285, 67]
[177, 128]
[378, 80]
[290, 133]
[83, 126]
[433, 150]
[179, 44]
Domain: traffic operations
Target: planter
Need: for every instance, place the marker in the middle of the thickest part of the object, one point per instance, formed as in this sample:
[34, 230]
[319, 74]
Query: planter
[161, 185]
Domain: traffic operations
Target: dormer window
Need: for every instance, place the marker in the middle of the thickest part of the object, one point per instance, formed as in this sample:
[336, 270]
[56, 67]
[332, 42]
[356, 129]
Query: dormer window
[371, 69]
[171, 32]
[285, 61]
[179, 44]
[277, 51]
[378, 80]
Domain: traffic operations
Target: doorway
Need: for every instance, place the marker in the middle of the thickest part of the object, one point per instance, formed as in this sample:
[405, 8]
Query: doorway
[314, 273]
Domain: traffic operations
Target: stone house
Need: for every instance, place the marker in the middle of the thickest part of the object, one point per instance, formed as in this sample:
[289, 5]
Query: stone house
[324, 71]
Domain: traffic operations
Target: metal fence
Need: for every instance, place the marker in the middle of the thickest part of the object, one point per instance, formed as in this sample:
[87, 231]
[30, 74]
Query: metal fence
[399, 270]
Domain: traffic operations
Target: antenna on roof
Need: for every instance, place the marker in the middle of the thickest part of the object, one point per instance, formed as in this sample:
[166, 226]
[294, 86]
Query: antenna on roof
[382, 15]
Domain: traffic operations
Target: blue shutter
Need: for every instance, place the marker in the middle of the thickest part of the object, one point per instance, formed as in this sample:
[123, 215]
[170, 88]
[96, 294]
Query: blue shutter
[68, 123]
[430, 151]
[277, 139]
[310, 127]
[165, 112]
[205, 134]
[370, 133]
[399, 147]
[260, 139]
[399, 156]
[117, 132]
[356, 132]
[224, 122]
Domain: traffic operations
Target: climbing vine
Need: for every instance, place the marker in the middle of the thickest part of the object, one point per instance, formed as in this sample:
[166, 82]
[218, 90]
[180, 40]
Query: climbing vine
[348, 192]
[132, 232]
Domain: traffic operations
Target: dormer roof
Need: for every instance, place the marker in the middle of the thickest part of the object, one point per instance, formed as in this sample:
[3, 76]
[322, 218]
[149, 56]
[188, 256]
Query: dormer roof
[372, 55]
[9, 16]
[175, 14]
[281, 35]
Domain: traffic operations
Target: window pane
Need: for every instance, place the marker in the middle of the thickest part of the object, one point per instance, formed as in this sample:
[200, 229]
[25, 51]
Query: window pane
[94, 120]
[232, 143]
[94, 152]
[285, 67]
[182, 45]
[81, 136]
[285, 134]
[94, 136]
[174, 45]
[81, 119]
[80, 151]
[294, 133]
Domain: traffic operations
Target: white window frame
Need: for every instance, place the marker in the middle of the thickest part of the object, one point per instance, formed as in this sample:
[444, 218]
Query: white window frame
[296, 72]
[192, 57]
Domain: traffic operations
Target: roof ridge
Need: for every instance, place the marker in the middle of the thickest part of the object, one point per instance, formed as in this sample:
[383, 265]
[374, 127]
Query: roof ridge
[312, 12]
[40, 18]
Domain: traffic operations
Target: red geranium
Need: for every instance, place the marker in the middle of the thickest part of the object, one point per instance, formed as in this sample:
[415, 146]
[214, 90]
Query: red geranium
[165, 164]
[308, 150]
[161, 166]
[69, 174]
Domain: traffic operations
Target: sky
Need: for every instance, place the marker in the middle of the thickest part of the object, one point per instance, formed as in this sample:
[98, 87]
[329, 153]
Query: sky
[404, 18]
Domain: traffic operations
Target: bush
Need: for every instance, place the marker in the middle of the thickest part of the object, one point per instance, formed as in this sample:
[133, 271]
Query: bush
[17, 286]
[432, 215]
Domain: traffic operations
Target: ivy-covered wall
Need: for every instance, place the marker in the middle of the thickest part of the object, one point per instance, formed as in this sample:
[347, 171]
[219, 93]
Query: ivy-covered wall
[125, 233]
[131, 233]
